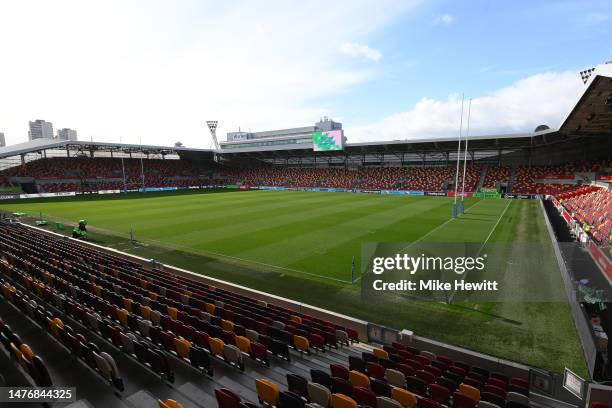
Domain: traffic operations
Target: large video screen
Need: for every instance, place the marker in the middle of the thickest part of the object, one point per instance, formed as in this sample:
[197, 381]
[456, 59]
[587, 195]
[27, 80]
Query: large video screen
[325, 141]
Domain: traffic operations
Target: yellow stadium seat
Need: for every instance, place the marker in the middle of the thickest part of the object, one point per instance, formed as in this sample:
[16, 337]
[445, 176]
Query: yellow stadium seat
[152, 295]
[216, 346]
[472, 392]
[343, 401]
[380, 353]
[267, 391]
[173, 312]
[127, 304]
[182, 347]
[54, 326]
[169, 403]
[18, 354]
[210, 308]
[301, 343]
[358, 379]
[244, 344]
[296, 319]
[404, 397]
[26, 351]
[122, 316]
[145, 312]
[227, 325]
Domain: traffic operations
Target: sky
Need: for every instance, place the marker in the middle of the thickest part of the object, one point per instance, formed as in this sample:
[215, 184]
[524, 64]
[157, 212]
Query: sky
[154, 71]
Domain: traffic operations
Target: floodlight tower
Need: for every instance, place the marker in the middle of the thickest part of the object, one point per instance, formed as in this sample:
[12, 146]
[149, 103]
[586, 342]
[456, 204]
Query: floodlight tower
[212, 127]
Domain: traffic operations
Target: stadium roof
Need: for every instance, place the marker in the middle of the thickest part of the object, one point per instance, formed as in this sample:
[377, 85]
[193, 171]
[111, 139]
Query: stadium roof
[39, 145]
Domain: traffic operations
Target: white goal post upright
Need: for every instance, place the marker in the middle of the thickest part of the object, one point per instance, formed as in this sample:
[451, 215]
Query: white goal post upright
[458, 159]
[467, 135]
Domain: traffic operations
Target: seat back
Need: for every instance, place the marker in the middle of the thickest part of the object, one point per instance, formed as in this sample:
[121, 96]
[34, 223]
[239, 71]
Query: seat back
[358, 379]
[375, 370]
[364, 396]
[144, 327]
[341, 386]
[439, 393]
[343, 401]
[385, 402]
[429, 403]
[319, 394]
[182, 346]
[127, 342]
[460, 400]
[380, 353]
[320, 377]
[243, 343]
[216, 346]
[404, 397]
[342, 337]
[429, 355]
[227, 398]
[492, 398]
[416, 385]
[380, 387]
[301, 343]
[103, 366]
[251, 335]
[339, 371]
[232, 354]
[297, 384]
[287, 399]
[395, 378]
[267, 391]
[472, 392]
[169, 403]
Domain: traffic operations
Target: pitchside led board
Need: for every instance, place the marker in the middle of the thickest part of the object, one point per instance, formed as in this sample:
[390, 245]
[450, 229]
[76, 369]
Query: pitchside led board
[327, 140]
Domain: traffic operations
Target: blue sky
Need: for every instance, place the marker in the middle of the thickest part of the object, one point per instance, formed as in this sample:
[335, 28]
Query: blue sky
[154, 70]
[479, 47]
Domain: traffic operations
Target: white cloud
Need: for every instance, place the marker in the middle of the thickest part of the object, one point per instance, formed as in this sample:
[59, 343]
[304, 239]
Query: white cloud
[445, 19]
[360, 50]
[539, 99]
[157, 70]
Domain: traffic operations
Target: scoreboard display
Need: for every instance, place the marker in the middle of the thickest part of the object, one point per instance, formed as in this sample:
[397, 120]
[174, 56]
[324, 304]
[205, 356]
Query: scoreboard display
[327, 140]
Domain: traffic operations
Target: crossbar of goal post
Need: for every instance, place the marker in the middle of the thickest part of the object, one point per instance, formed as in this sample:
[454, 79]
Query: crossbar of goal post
[458, 159]
[467, 135]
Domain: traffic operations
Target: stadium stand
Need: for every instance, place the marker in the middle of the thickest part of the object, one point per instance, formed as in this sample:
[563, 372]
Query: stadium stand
[165, 321]
[496, 175]
[592, 207]
[552, 180]
[81, 174]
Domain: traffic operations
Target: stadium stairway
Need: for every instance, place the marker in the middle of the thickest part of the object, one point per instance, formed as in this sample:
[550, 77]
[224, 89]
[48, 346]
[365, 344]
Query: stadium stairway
[483, 176]
[512, 179]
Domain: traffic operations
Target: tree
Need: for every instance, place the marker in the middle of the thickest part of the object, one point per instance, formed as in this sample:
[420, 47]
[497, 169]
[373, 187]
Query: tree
[178, 144]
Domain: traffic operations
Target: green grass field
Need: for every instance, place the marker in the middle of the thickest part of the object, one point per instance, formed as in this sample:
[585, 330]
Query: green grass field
[300, 245]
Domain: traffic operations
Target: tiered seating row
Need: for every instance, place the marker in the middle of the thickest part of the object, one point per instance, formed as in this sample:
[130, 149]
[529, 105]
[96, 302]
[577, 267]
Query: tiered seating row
[21, 352]
[592, 207]
[393, 377]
